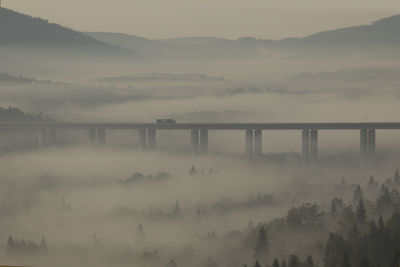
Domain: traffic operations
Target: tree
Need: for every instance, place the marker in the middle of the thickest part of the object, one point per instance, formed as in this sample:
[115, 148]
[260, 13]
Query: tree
[177, 209]
[334, 251]
[361, 214]
[294, 261]
[275, 263]
[140, 235]
[384, 200]
[172, 263]
[364, 262]
[381, 224]
[212, 263]
[396, 259]
[345, 260]
[397, 176]
[306, 215]
[309, 262]
[372, 183]
[261, 244]
[257, 264]
[43, 245]
[193, 170]
[358, 194]
[337, 205]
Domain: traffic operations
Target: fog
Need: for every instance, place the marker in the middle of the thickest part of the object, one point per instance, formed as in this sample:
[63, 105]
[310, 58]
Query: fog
[75, 203]
[85, 203]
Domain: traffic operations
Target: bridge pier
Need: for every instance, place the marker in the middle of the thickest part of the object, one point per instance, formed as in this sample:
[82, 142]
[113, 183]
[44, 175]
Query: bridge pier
[101, 136]
[258, 142]
[142, 138]
[195, 135]
[152, 142]
[305, 144]
[204, 141]
[249, 142]
[314, 144]
[43, 138]
[52, 137]
[363, 144]
[371, 143]
[367, 145]
[92, 137]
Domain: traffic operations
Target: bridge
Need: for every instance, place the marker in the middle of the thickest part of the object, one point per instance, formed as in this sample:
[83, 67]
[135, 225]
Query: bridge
[199, 133]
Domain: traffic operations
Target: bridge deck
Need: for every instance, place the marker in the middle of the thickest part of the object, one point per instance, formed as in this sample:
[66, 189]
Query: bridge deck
[211, 126]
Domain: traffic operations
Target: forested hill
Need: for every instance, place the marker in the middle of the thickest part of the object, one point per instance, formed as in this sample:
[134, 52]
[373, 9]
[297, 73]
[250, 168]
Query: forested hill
[25, 37]
[17, 28]
[12, 114]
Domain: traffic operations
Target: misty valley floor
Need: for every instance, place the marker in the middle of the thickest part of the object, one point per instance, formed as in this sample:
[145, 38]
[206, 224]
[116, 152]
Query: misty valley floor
[103, 207]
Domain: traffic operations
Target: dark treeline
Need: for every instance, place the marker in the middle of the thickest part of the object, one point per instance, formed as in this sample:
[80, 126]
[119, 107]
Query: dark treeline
[362, 233]
[24, 247]
[357, 226]
[13, 114]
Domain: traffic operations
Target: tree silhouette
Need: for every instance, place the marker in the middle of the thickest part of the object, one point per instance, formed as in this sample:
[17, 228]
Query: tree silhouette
[396, 259]
[177, 209]
[358, 194]
[361, 214]
[294, 261]
[345, 260]
[261, 244]
[275, 263]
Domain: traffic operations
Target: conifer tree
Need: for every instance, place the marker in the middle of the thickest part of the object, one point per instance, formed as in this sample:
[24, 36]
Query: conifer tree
[381, 224]
[294, 261]
[262, 243]
[345, 260]
[275, 263]
[396, 259]
[309, 262]
[361, 214]
[358, 194]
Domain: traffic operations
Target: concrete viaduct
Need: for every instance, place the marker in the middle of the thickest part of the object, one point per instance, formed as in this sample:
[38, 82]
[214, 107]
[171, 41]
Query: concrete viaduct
[199, 133]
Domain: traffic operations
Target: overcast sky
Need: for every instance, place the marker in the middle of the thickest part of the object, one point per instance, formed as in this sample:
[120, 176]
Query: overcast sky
[222, 18]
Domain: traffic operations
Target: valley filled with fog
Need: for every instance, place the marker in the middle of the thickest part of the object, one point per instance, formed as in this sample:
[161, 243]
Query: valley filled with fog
[78, 204]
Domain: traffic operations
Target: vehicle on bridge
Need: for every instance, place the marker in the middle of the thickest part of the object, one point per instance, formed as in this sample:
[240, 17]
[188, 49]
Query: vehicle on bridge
[166, 121]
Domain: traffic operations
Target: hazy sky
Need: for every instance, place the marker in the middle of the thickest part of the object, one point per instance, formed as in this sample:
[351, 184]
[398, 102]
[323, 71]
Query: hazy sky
[224, 18]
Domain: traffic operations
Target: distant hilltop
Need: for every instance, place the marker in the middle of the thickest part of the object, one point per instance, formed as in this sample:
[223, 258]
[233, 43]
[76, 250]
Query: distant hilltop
[382, 36]
[20, 31]
[17, 28]
[160, 77]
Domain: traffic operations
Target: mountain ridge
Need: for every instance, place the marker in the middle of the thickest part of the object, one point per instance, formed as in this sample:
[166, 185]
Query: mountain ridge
[378, 35]
[25, 33]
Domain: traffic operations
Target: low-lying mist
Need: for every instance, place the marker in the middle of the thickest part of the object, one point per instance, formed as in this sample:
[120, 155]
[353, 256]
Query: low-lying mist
[87, 203]
[74, 204]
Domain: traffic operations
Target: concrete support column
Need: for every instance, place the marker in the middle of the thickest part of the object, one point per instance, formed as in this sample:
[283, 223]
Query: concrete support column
[92, 136]
[195, 135]
[305, 144]
[314, 144]
[151, 138]
[101, 136]
[43, 138]
[142, 138]
[40, 139]
[52, 137]
[249, 142]
[258, 142]
[371, 143]
[363, 144]
[204, 141]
